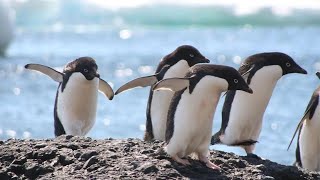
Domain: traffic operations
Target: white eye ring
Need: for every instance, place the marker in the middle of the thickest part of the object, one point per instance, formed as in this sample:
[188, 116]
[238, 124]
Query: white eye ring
[235, 81]
[288, 64]
[85, 70]
[191, 55]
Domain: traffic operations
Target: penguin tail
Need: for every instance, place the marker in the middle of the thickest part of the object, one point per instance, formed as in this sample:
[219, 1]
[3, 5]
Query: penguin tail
[245, 143]
[215, 139]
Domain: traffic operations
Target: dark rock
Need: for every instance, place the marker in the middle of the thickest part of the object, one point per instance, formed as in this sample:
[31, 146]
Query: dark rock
[42, 145]
[73, 146]
[47, 154]
[77, 155]
[7, 157]
[32, 171]
[90, 161]
[16, 168]
[65, 160]
[4, 175]
[85, 156]
[147, 151]
[19, 161]
[148, 168]
[68, 137]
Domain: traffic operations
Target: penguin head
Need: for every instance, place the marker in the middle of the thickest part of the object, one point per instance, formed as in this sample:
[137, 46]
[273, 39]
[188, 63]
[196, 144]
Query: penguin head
[287, 64]
[84, 65]
[190, 54]
[235, 80]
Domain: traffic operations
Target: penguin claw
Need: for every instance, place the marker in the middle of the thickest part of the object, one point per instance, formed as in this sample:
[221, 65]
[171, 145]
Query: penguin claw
[212, 165]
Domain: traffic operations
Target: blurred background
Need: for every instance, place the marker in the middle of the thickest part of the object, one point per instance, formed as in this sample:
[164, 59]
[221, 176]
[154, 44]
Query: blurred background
[128, 39]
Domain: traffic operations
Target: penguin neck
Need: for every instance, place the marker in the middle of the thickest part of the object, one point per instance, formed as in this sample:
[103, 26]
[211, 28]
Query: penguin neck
[209, 88]
[263, 83]
[268, 75]
[177, 70]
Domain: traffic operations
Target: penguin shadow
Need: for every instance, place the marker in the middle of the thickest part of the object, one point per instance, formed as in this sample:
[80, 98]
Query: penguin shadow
[196, 169]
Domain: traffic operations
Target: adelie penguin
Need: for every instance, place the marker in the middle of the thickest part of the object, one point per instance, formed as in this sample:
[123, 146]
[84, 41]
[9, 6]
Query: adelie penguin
[175, 64]
[242, 113]
[191, 111]
[76, 99]
[308, 146]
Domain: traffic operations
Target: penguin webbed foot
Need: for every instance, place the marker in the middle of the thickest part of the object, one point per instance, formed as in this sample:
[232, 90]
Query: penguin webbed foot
[208, 163]
[181, 161]
[252, 155]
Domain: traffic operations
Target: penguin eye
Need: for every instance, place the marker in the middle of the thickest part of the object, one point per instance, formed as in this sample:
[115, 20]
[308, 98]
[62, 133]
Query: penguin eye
[191, 55]
[288, 64]
[235, 81]
[85, 70]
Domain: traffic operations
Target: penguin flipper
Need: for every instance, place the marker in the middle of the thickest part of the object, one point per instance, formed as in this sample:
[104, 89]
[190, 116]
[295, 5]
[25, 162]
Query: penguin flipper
[106, 89]
[172, 84]
[308, 114]
[298, 162]
[139, 82]
[55, 75]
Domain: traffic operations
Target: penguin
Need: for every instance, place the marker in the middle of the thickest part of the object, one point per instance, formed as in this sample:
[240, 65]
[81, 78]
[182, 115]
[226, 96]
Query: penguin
[191, 111]
[175, 64]
[308, 146]
[242, 113]
[76, 98]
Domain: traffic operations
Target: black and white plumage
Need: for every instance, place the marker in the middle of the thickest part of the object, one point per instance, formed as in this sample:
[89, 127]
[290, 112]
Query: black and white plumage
[242, 113]
[175, 64]
[76, 99]
[308, 142]
[191, 111]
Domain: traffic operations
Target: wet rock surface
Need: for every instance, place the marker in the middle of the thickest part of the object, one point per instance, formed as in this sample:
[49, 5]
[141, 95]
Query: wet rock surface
[68, 157]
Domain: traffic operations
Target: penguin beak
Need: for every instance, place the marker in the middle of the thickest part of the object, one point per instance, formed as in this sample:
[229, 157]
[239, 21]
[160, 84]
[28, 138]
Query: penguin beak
[248, 90]
[299, 70]
[205, 60]
[318, 74]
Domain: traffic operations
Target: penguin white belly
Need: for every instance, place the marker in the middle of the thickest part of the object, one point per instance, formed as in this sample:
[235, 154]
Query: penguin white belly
[161, 101]
[245, 120]
[193, 118]
[77, 104]
[310, 142]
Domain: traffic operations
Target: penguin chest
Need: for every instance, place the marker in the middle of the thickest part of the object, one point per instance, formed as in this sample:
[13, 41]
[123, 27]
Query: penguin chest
[247, 110]
[77, 104]
[309, 142]
[161, 101]
[193, 119]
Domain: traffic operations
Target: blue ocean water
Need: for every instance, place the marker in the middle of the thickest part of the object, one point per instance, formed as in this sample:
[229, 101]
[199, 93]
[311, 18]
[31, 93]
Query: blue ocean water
[129, 42]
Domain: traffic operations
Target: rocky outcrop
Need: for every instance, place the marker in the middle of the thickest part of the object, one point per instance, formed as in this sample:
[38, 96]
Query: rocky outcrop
[68, 157]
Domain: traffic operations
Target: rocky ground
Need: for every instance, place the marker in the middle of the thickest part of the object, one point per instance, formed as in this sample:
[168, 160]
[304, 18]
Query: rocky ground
[68, 157]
